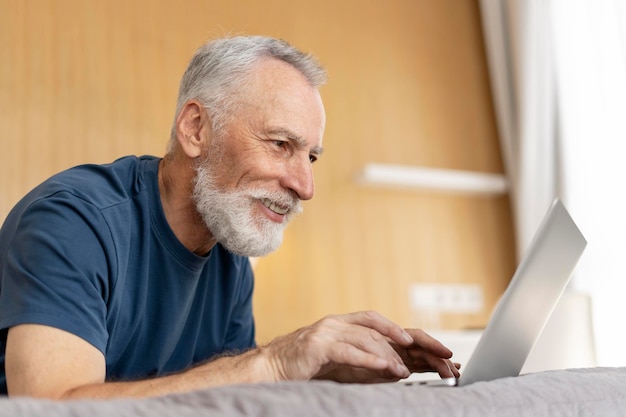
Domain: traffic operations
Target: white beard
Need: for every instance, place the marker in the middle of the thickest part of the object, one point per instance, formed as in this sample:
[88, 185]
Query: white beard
[229, 214]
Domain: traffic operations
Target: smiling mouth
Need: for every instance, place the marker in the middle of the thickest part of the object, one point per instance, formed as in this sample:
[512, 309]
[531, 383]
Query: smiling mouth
[282, 210]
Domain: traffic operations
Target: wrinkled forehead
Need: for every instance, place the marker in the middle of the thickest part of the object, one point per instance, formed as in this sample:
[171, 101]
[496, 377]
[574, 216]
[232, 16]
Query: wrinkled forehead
[283, 98]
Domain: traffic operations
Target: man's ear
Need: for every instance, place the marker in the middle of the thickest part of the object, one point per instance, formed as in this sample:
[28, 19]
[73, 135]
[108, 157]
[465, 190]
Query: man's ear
[191, 124]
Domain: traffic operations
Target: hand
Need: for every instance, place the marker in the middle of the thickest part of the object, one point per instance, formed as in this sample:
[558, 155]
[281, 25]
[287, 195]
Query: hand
[427, 354]
[358, 347]
[424, 354]
[359, 340]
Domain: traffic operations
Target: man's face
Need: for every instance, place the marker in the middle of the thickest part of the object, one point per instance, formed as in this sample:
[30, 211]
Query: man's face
[251, 179]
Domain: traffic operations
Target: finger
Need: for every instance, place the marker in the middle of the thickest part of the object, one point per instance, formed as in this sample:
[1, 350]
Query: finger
[370, 341]
[429, 343]
[446, 369]
[374, 333]
[337, 337]
[427, 362]
[382, 325]
[454, 368]
[348, 354]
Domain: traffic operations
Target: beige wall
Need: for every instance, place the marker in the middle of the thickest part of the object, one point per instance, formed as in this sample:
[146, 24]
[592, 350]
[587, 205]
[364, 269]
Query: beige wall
[88, 81]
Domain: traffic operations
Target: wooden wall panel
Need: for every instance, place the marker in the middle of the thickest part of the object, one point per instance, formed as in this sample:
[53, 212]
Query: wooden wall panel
[89, 81]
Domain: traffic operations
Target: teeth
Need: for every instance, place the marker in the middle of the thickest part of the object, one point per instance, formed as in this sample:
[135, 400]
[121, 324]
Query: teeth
[275, 208]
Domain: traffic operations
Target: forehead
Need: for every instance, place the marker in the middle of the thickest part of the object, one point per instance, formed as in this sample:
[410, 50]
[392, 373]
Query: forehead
[280, 98]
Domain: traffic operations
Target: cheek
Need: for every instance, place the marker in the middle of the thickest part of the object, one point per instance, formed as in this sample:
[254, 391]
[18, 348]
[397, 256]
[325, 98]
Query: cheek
[259, 168]
[256, 177]
[242, 166]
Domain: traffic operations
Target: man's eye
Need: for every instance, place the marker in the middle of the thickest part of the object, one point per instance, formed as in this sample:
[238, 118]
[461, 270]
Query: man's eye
[280, 143]
[312, 158]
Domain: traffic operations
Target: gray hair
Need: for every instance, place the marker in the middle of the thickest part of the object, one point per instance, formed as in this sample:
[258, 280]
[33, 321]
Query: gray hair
[217, 73]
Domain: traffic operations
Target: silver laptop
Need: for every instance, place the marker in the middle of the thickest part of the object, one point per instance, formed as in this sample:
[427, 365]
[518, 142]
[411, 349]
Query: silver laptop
[527, 303]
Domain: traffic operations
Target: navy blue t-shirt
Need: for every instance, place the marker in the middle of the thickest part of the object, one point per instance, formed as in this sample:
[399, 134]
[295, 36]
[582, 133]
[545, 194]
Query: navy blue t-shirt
[90, 252]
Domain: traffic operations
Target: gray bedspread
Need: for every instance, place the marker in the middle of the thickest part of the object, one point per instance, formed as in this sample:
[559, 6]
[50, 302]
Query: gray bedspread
[580, 392]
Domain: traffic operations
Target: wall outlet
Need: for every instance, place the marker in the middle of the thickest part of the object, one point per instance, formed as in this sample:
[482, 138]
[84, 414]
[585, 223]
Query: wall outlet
[447, 298]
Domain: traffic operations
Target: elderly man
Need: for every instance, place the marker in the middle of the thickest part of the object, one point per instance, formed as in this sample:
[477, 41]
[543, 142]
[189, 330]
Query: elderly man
[132, 278]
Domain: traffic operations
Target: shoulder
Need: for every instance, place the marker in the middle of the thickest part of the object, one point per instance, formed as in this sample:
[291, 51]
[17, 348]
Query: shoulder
[100, 185]
[72, 202]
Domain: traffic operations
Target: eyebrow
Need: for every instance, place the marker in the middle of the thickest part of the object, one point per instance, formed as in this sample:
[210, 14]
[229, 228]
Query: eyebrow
[297, 139]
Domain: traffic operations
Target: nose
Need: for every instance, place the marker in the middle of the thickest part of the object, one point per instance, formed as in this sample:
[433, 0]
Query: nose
[298, 177]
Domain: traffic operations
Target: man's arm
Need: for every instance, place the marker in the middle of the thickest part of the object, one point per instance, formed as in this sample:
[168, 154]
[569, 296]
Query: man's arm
[42, 361]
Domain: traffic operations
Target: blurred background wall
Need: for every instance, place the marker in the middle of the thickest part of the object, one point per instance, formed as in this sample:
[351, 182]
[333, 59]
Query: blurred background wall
[88, 81]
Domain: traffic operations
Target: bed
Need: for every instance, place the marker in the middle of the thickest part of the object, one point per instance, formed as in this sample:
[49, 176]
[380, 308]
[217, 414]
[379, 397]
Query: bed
[575, 392]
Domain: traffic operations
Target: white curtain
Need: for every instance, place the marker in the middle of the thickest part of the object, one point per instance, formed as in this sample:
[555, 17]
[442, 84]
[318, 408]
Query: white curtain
[558, 70]
[518, 49]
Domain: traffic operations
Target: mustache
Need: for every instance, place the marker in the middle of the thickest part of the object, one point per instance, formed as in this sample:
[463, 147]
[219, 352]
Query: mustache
[280, 198]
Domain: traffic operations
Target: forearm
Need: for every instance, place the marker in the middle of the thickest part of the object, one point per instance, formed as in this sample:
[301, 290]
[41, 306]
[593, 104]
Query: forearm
[249, 367]
[358, 347]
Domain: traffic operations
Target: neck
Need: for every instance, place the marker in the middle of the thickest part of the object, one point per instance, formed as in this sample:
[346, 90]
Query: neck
[176, 189]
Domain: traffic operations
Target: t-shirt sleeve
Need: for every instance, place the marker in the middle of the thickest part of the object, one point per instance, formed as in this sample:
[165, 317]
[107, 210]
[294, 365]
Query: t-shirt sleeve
[241, 333]
[57, 269]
